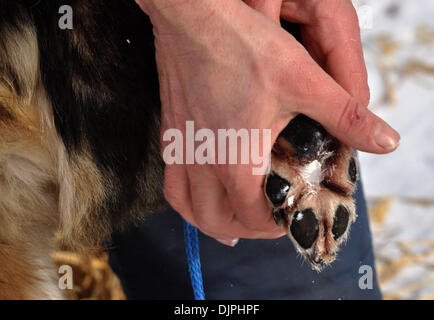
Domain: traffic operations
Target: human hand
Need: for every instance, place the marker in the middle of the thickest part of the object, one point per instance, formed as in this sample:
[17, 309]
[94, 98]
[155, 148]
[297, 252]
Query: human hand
[225, 65]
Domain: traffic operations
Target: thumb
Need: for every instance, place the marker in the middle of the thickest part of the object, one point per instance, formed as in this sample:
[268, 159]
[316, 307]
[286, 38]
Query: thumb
[313, 92]
[348, 119]
[354, 124]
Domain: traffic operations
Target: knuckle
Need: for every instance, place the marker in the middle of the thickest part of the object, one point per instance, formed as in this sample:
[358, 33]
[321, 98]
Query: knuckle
[352, 116]
[203, 224]
[208, 224]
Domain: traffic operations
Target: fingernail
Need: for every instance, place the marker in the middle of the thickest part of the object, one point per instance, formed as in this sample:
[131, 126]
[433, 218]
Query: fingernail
[230, 243]
[385, 136]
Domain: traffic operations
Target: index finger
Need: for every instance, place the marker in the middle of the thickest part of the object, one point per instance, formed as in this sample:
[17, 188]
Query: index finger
[331, 33]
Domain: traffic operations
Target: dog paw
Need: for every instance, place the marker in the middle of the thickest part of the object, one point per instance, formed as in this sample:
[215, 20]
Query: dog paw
[310, 187]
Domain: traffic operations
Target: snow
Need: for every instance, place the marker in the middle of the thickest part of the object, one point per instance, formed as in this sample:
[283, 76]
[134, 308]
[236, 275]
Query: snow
[407, 175]
[409, 171]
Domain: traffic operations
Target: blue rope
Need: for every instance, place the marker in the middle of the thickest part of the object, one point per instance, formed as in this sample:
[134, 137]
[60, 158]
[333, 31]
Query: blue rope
[193, 259]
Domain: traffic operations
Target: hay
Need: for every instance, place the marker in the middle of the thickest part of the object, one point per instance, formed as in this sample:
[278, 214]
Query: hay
[411, 253]
[92, 276]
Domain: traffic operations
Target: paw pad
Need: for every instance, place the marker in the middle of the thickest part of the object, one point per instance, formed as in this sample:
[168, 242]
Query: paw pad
[352, 170]
[340, 222]
[304, 228]
[277, 188]
[305, 135]
[310, 187]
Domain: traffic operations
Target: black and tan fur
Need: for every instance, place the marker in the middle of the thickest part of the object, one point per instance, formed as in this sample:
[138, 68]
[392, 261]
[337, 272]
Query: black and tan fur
[79, 128]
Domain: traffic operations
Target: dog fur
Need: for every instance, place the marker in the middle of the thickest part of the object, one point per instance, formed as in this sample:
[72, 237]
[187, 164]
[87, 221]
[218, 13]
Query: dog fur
[79, 133]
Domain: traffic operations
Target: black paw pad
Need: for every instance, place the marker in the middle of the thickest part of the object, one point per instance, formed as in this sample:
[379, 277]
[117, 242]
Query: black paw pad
[352, 170]
[304, 228]
[340, 221]
[277, 188]
[305, 135]
[279, 215]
